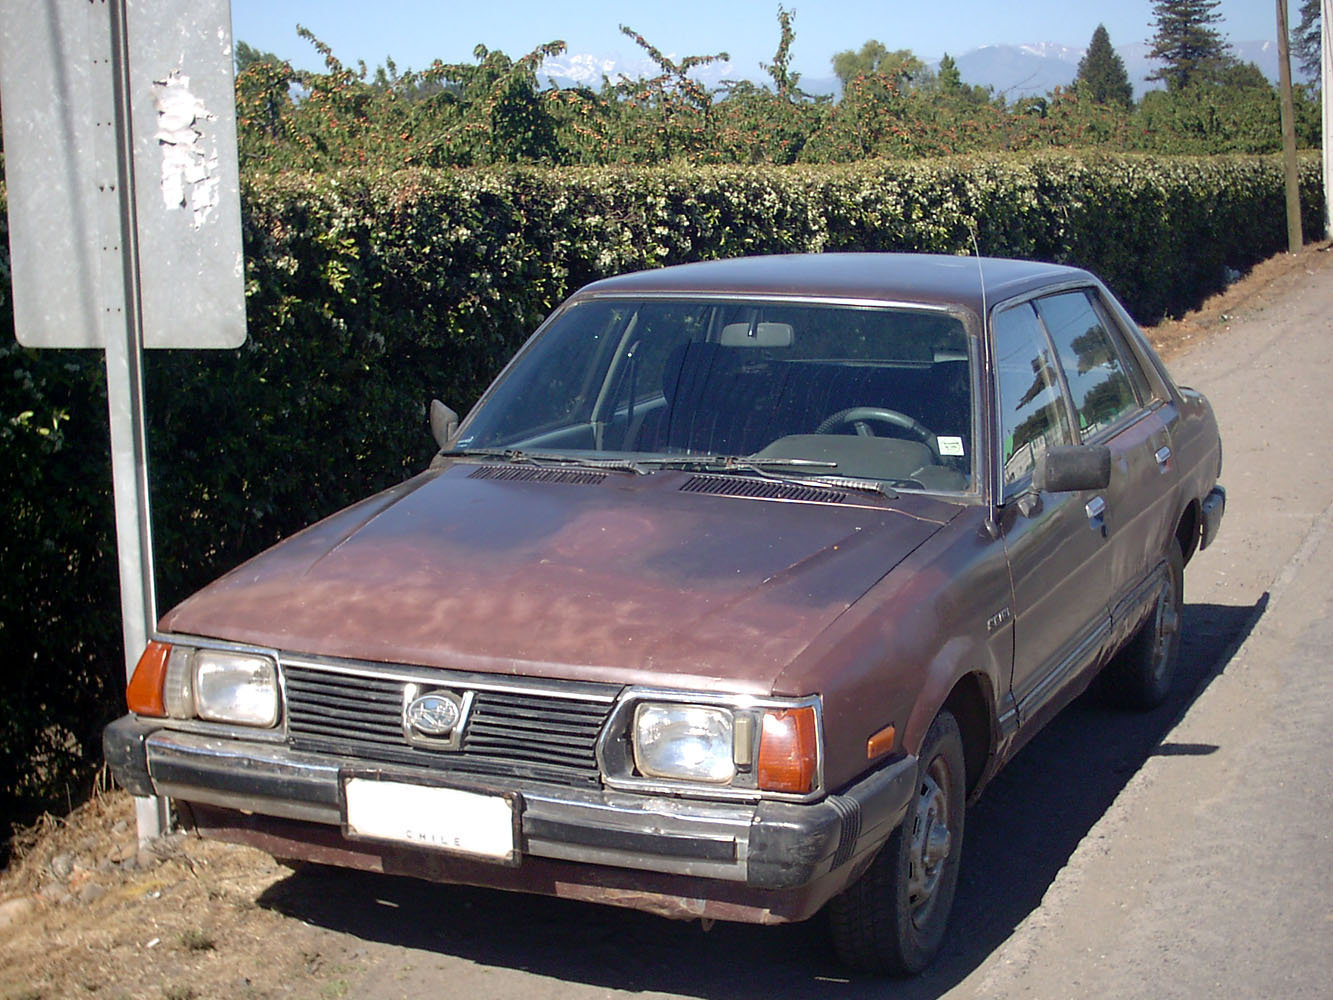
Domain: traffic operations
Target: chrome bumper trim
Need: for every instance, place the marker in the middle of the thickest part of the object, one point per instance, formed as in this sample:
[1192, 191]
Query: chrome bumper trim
[647, 833]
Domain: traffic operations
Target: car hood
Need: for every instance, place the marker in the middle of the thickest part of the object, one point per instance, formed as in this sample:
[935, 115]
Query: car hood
[556, 573]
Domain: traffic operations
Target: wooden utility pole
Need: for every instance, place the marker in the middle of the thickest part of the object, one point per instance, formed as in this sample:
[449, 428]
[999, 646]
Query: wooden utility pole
[1294, 240]
[1325, 76]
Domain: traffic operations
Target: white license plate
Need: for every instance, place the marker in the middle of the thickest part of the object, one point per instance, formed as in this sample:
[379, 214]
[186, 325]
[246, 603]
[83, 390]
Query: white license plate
[448, 819]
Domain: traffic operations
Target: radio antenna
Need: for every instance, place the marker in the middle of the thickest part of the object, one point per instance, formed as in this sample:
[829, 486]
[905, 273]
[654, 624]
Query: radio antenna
[981, 276]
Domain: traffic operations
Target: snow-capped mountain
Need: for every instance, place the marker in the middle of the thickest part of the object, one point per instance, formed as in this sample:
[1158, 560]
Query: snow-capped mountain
[1036, 68]
[1022, 70]
[582, 69]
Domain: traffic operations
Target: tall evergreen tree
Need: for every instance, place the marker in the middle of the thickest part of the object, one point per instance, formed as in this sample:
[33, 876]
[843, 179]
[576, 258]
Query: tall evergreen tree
[1305, 44]
[1186, 41]
[1101, 73]
[951, 80]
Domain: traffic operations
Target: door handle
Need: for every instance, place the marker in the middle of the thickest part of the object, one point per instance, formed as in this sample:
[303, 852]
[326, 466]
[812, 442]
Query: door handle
[1096, 511]
[1163, 457]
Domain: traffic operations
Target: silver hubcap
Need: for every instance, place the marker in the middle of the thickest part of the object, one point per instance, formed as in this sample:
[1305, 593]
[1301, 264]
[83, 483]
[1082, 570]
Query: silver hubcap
[1165, 625]
[931, 839]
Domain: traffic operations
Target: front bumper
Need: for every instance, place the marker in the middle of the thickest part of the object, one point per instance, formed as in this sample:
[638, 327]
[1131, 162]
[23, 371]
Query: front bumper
[766, 846]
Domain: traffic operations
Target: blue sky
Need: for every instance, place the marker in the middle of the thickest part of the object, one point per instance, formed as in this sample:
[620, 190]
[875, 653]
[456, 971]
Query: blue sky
[415, 32]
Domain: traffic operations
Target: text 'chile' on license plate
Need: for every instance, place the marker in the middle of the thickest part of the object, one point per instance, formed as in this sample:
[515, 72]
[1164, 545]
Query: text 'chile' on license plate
[449, 819]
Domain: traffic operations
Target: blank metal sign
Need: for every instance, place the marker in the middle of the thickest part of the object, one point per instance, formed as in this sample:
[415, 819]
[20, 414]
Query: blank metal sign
[61, 147]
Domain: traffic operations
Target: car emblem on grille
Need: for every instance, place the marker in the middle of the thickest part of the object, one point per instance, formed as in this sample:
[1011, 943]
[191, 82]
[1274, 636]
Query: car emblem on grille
[432, 715]
[434, 719]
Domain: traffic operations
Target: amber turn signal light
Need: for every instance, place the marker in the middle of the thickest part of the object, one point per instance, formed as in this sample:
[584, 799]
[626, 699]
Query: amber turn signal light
[144, 693]
[787, 751]
[881, 743]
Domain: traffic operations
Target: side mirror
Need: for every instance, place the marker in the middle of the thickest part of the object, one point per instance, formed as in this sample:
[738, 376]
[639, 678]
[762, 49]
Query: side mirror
[1072, 468]
[443, 424]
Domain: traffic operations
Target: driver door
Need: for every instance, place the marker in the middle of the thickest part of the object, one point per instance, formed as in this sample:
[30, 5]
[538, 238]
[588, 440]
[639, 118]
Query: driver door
[1057, 549]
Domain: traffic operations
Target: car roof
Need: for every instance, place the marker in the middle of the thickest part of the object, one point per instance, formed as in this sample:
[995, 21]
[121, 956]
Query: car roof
[934, 279]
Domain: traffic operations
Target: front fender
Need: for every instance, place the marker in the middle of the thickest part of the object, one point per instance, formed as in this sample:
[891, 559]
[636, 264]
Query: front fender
[895, 656]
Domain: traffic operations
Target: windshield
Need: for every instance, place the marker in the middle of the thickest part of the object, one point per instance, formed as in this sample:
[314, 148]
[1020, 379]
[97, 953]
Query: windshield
[875, 393]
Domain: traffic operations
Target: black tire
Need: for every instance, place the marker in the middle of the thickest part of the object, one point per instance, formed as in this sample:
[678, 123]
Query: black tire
[893, 918]
[1140, 674]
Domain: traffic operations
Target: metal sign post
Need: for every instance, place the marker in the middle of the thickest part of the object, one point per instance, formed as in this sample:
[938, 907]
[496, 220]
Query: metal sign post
[124, 209]
[125, 410]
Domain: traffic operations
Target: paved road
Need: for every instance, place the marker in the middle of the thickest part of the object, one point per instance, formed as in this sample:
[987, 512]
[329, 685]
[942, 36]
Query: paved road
[1179, 853]
[1213, 870]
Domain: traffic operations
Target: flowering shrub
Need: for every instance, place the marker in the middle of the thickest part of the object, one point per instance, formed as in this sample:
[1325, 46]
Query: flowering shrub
[369, 292]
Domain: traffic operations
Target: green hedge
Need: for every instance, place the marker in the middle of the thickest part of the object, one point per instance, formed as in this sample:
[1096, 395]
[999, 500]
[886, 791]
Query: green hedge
[370, 293]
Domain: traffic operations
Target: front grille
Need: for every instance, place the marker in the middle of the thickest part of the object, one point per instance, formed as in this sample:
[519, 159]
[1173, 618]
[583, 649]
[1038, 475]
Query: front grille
[509, 733]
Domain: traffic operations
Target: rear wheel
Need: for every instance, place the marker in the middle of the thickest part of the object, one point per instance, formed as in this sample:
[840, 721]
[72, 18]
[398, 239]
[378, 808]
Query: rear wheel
[892, 919]
[1139, 676]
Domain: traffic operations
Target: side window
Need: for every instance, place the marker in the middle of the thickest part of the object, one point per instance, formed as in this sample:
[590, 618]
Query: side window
[1100, 389]
[1032, 416]
[1133, 364]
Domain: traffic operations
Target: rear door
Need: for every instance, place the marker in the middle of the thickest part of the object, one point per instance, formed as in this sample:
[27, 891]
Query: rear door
[1114, 406]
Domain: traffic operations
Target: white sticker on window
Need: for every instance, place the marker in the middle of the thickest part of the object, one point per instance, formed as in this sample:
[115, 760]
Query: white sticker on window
[950, 445]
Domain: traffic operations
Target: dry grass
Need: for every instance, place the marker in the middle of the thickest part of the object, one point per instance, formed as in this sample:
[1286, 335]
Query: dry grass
[1252, 292]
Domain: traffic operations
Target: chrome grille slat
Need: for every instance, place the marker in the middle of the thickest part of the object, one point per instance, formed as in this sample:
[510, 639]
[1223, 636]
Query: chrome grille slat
[547, 732]
[496, 735]
[333, 733]
[343, 708]
[547, 736]
[349, 694]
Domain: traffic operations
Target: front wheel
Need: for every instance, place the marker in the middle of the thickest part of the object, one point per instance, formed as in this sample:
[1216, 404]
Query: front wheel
[892, 919]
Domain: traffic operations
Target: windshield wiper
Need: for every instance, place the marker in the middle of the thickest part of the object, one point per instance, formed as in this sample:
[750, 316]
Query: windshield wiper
[757, 462]
[772, 468]
[767, 468]
[726, 463]
[515, 455]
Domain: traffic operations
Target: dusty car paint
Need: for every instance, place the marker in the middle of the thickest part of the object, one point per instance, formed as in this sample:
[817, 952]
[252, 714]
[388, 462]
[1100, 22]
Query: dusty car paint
[879, 611]
[626, 580]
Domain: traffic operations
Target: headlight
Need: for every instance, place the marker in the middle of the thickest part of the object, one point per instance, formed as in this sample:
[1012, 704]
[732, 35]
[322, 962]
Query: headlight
[684, 742]
[718, 745]
[235, 687]
[181, 682]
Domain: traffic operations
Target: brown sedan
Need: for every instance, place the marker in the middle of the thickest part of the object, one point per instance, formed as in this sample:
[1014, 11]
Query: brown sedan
[731, 591]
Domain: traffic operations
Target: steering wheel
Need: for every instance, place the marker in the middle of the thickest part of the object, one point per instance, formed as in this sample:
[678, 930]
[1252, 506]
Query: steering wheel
[860, 418]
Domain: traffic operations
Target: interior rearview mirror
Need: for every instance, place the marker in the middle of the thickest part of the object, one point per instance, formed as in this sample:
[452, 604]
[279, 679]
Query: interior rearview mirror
[443, 424]
[1072, 468]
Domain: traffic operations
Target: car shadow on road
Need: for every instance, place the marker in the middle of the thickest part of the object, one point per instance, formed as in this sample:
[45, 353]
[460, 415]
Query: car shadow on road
[1020, 834]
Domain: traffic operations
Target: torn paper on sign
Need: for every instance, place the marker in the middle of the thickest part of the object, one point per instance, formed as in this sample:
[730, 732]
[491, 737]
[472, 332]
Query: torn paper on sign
[189, 159]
